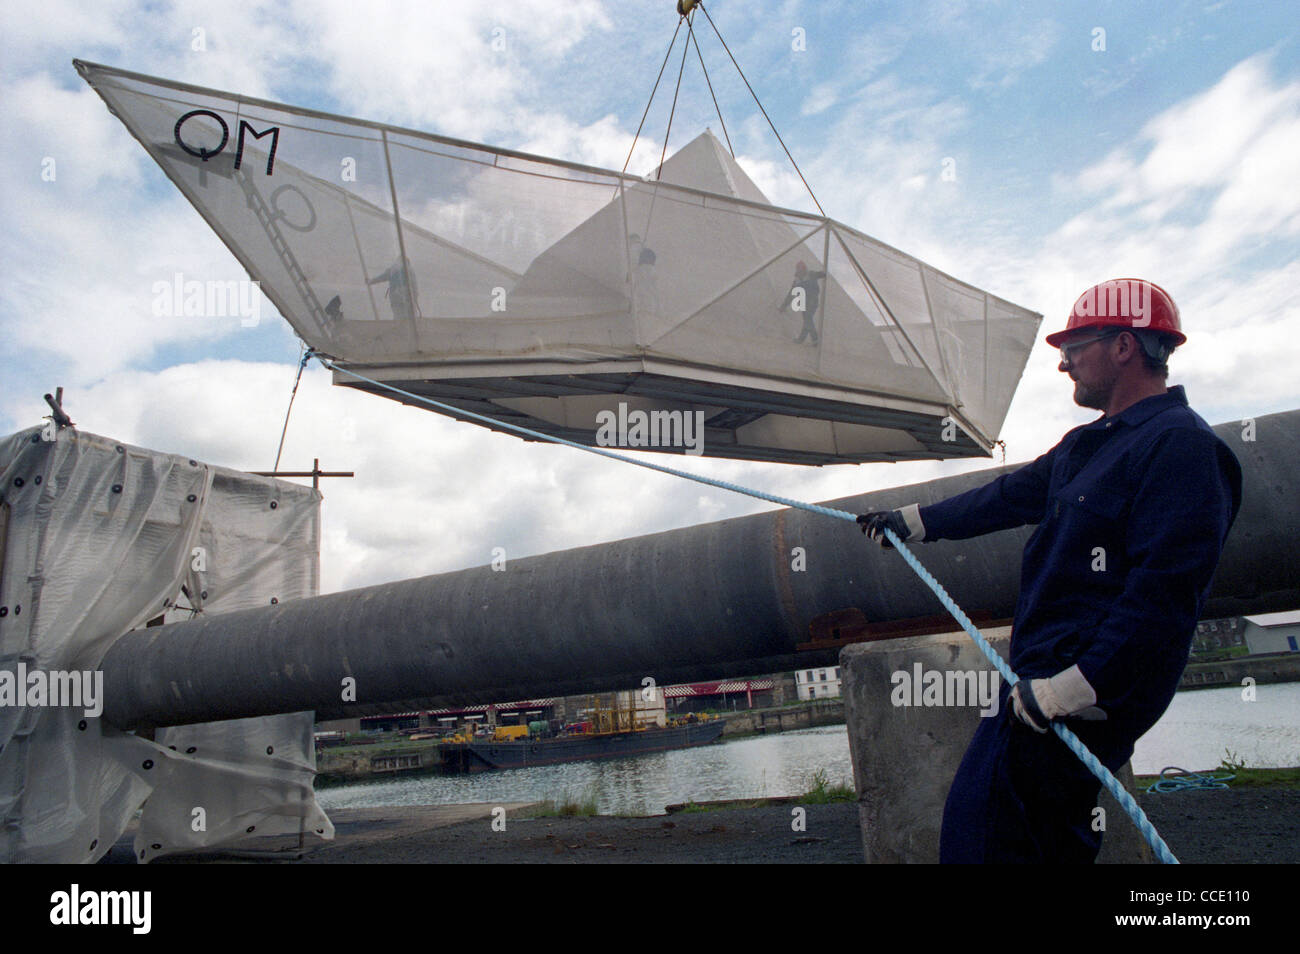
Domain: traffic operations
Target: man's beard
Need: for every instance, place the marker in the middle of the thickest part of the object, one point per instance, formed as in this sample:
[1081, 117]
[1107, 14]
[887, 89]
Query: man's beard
[1090, 397]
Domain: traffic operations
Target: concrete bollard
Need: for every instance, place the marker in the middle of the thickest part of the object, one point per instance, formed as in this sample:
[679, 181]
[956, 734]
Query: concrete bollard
[905, 756]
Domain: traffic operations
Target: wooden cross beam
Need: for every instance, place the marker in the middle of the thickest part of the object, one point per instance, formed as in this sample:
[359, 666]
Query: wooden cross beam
[315, 473]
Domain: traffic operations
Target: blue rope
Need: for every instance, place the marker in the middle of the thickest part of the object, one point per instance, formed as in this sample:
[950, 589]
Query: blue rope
[1185, 781]
[1071, 740]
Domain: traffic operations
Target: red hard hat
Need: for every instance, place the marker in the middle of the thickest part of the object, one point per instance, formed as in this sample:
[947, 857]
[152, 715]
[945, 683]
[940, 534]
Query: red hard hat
[1123, 303]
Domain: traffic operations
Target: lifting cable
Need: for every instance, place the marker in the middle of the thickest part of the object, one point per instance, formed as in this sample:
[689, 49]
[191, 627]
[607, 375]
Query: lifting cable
[1071, 740]
[652, 95]
[762, 110]
[691, 36]
[686, 48]
[306, 356]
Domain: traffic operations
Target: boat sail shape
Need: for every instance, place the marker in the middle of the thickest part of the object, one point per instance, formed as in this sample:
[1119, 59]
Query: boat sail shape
[553, 295]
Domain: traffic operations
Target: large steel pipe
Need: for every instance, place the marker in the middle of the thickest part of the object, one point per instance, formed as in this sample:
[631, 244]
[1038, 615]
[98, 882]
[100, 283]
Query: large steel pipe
[720, 599]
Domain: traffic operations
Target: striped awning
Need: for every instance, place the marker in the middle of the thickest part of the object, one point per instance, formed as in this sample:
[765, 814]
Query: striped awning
[717, 688]
[499, 706]
[521, 704]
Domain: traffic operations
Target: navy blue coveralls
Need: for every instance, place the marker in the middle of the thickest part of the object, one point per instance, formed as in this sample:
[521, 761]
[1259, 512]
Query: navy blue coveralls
[1132, 512]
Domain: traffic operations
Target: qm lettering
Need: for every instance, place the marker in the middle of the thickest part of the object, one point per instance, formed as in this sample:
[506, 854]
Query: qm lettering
[245, 128]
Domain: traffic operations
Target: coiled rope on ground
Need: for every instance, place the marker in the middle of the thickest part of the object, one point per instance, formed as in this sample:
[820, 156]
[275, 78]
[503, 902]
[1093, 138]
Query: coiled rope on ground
[1185, 781]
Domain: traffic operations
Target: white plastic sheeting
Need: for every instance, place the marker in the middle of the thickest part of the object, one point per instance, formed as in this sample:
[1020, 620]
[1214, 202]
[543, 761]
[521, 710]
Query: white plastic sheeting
[543, 292]
[100, 538]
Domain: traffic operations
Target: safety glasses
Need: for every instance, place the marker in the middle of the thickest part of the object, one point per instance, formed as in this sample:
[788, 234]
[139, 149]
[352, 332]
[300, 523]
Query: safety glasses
[1076, 346]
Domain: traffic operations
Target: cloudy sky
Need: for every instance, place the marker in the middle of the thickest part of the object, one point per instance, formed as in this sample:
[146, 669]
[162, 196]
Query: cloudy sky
[1089, 141]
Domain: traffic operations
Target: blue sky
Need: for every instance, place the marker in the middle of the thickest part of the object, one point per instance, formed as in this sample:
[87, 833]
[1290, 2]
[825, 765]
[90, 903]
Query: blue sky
[1170, 154]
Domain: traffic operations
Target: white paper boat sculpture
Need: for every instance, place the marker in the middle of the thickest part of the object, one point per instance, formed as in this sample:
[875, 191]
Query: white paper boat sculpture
[547, 294]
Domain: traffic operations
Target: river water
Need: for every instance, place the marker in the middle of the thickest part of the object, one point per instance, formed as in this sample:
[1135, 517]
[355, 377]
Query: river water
[1199, 729]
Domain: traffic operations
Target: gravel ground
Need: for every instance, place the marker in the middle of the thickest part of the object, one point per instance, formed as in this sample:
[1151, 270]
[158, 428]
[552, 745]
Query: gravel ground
[724, 836]
[1229, 826]
[1240, 826]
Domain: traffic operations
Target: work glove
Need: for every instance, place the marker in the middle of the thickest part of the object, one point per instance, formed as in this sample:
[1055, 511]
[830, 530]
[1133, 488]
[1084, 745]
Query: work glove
[1025, 704]
[1037, 702]
[906, 523]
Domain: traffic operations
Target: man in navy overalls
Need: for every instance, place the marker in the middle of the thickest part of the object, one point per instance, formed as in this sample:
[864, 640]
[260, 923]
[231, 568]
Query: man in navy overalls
[1132, 511]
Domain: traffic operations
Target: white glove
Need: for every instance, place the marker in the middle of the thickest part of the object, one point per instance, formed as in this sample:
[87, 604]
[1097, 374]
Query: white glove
[1036, 702]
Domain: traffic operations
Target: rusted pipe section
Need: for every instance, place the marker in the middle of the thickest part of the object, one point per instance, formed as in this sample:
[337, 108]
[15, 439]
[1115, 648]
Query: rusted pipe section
[721, 599]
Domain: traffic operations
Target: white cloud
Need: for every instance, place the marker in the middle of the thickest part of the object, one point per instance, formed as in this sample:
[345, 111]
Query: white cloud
[603, 143]
[1207, 188]
[895, 137]
[459, 69]
[821, 98]
[84, 287]
[1211, 234]
[1003, 55]
[1203, 141]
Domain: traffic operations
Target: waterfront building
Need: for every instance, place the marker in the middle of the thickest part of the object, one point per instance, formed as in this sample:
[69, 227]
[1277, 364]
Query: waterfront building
[822, 683]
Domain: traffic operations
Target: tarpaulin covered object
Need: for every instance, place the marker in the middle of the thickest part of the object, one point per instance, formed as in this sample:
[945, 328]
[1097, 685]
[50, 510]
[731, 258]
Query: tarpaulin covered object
[543, 293]
[100, 538]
